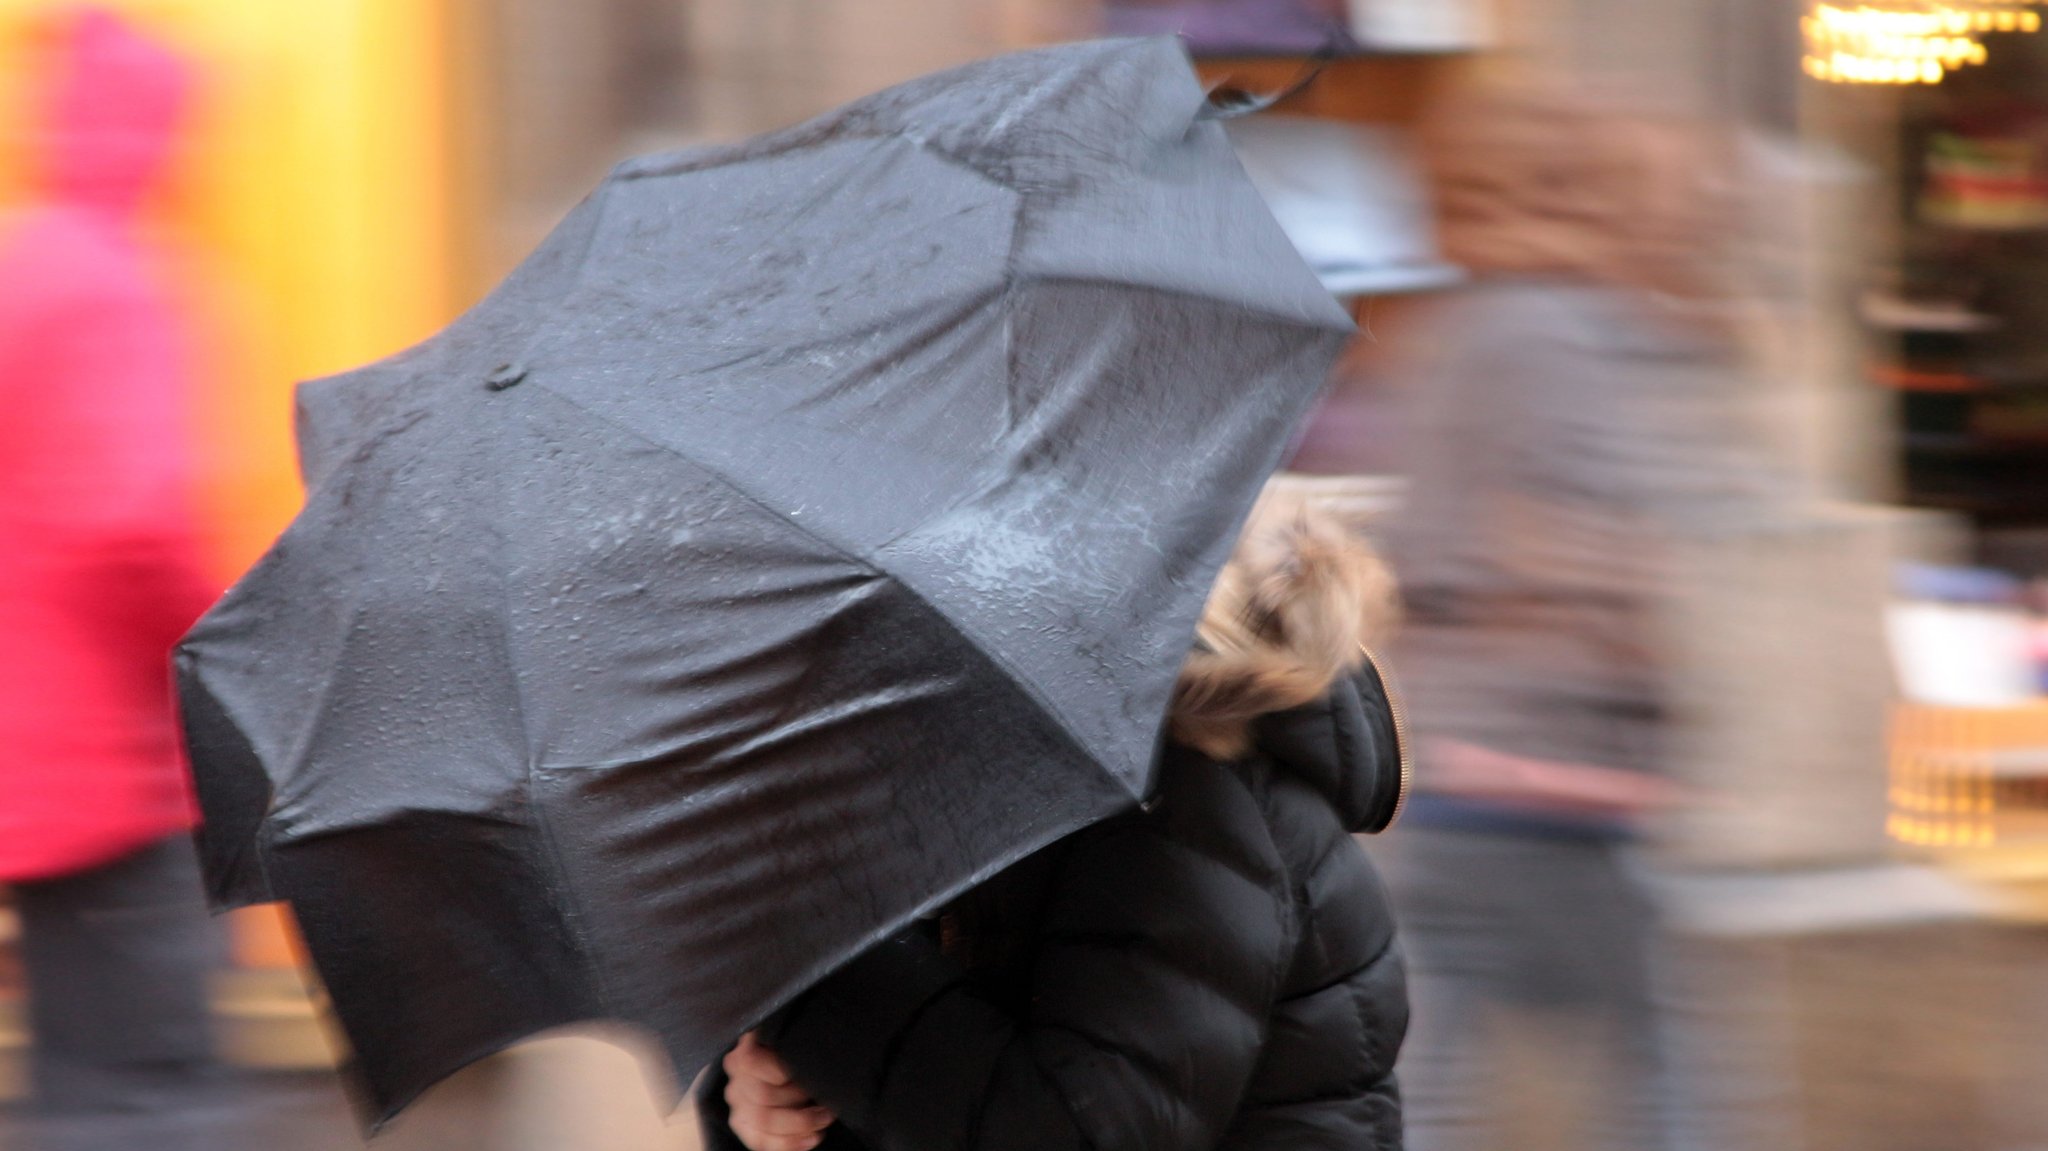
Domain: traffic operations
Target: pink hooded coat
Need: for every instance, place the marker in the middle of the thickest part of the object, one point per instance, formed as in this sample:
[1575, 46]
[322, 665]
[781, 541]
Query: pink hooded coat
[100, 558]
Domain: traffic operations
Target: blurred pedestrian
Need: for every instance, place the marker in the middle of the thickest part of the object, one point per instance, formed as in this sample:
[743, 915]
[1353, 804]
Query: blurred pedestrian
[99, 573]
[1215, 970]
[1572, 409]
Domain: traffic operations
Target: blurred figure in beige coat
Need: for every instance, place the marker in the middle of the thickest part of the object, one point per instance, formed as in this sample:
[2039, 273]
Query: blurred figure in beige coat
[1575, 406]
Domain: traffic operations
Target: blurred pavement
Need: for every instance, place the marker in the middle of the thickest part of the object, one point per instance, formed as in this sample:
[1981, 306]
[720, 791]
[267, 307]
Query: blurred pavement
[562, 1093]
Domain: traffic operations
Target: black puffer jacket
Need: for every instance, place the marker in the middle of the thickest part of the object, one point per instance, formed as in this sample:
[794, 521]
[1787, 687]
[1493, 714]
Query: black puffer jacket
[1217, 971]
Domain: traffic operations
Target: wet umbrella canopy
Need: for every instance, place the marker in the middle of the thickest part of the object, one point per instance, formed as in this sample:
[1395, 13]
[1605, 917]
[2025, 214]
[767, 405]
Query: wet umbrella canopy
[808, 529]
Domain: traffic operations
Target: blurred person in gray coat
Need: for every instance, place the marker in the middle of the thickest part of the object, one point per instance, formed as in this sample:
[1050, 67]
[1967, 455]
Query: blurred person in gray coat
[1571, 410]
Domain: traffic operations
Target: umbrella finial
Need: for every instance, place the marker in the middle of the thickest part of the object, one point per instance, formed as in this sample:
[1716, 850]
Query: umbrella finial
[505, 375]
[1227, 101]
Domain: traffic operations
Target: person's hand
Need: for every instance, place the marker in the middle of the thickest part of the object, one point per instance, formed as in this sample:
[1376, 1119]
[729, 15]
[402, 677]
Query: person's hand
[769, 1111]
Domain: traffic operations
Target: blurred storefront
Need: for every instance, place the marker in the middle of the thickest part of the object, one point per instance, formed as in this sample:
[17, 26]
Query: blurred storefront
[308, 228]
[1892, 897]
[314, 201]
[362, 169]
[1858, 879]
[358, 171]
[564, 90]
[1945, 107]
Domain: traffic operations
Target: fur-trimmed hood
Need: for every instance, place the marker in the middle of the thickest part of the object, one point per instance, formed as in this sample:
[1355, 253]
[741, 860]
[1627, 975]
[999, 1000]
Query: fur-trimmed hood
[1281, 658]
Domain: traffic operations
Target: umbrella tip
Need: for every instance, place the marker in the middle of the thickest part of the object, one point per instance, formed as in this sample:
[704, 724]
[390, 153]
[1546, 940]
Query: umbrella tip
[1227, 101]
[505, 375]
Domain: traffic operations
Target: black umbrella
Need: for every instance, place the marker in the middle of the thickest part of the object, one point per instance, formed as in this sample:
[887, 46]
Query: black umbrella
[807, 530]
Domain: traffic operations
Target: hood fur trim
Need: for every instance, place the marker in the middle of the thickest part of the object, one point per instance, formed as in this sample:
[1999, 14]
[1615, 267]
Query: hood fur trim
[1289, 614]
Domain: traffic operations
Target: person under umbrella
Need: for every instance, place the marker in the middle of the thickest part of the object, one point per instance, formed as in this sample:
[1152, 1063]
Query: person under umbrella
[809, 530]
[1218, 970]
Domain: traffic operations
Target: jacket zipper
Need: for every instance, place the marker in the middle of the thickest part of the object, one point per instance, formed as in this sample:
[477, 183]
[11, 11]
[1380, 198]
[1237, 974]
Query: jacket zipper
[1402, 749]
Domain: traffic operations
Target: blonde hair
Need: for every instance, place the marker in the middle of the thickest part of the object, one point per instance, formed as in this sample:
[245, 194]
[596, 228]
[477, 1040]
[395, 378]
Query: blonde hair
[1292, 610]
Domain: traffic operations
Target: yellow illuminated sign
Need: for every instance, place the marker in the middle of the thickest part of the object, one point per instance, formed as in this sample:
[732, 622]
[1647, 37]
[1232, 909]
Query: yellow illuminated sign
[1905, 41]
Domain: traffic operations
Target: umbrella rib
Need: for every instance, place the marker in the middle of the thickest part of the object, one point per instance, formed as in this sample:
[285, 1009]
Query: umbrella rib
[303, 740]
[686, 164]
[1278, 317]
[504, 583]
[1016, 677]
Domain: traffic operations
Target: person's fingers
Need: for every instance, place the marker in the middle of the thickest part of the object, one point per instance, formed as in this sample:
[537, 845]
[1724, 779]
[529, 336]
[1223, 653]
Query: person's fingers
[780, 1142]
[770, 1111]
[779, 1128]
[752, 1060]
[773, 1069]
[764, 1063]
[761, 1141]
[747, 1089]
[788, 1120]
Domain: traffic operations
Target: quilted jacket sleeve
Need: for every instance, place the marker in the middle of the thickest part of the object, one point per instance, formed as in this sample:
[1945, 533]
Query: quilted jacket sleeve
[1158, 960]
